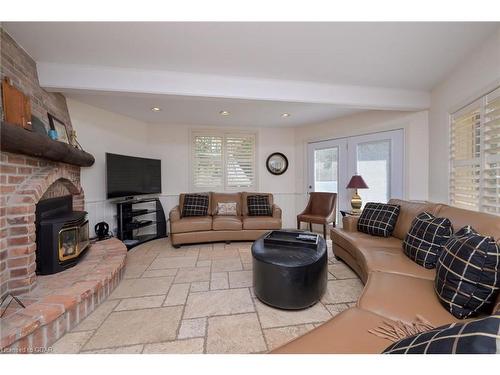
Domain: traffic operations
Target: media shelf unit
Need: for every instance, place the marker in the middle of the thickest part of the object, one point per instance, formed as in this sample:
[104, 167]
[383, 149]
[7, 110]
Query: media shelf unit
[132, 218]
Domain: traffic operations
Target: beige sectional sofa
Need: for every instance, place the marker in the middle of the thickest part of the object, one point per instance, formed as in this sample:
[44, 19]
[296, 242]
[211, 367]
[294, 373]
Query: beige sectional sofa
[395, 289]
[210, 228]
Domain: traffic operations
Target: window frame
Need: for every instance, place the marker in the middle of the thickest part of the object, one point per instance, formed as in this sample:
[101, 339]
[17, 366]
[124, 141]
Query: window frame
[224, 134]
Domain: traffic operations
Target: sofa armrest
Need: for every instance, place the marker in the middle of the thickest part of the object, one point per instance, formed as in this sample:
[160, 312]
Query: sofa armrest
[276, 211]
[175, 214]
[350, 223]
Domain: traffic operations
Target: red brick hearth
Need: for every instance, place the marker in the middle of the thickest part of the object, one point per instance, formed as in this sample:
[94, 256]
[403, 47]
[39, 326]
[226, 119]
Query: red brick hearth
[61, 301]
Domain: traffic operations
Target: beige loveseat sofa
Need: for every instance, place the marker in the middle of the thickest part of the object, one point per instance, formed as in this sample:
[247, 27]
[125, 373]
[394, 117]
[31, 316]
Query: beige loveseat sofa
[396, 288]
[210, 228]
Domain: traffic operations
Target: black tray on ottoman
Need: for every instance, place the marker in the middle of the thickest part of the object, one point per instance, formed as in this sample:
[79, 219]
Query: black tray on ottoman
[289, 272]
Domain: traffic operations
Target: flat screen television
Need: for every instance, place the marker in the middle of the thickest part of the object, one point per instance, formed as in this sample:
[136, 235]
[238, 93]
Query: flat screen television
[128, 176]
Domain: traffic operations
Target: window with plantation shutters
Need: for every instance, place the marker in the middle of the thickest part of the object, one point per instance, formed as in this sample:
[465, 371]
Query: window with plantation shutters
[475, 155]
[223, 161]
[240, 163]
[207, 168]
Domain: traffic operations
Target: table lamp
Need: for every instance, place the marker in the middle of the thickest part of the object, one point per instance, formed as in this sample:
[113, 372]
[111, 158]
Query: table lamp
[356, 183]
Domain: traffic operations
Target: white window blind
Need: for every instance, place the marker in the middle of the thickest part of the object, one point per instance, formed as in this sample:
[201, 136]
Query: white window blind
[490, 199]
[475, 147]
[207, 161]
[223, 161]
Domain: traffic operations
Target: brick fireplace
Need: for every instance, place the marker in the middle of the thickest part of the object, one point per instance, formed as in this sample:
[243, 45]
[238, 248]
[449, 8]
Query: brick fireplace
[25, 181]
[32, 171]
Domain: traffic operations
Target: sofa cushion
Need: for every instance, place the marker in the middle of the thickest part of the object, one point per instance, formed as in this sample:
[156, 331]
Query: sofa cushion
[227, 223]
[258, 205]
[486, 224]
[481, 336]
[402, 297]
[347, 333]
[425, 240]
[192, 224]
[468, 273]
[378, 219]
[394, 261]
[226, 198]
[195, 205]
[407, 212]
[353, 241]
[261, 222]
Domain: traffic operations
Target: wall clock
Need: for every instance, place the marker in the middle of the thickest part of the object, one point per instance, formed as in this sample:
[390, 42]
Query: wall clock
[277, 163]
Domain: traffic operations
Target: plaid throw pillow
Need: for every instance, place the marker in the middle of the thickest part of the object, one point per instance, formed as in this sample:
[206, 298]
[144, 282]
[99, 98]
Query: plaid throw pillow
[480, 336]
[258, 205]
[424, 242]
[468, 273]
[378, 219]
[195, 205]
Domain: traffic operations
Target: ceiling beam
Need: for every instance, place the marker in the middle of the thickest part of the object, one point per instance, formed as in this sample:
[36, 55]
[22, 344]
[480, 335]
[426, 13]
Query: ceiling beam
[61, 77]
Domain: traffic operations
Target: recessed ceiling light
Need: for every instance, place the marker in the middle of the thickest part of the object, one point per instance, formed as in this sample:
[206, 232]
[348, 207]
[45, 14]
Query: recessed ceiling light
[285, 115]
[224, 113]
[156, 109]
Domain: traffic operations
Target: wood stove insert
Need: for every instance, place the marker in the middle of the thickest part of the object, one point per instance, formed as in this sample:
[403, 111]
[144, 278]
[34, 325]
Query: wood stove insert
[62, 235]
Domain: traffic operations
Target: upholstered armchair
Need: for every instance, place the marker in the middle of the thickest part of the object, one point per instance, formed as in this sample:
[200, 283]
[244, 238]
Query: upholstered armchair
[321, 209]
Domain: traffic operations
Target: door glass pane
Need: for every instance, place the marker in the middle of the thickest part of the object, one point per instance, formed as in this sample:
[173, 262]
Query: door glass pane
[374, 165]
[326, 169]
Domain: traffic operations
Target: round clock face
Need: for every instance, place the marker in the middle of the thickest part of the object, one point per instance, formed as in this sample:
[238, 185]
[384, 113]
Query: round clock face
[277, 163]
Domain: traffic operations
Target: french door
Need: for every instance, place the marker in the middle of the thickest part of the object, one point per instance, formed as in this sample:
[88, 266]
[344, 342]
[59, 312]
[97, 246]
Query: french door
[377, 157]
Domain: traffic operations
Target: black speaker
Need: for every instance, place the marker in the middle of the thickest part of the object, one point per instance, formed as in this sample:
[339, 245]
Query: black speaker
[102, 230]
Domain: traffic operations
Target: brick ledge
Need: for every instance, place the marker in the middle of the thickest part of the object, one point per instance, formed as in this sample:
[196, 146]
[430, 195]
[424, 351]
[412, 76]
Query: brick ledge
[61, 301]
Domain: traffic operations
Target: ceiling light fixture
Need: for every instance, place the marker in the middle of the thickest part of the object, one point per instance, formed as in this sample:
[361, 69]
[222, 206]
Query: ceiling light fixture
[284, 115]
[224, 113]
[156, 109]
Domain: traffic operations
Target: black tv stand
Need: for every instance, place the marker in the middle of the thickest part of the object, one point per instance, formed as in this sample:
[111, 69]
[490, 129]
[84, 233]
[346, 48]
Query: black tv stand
[137, 225]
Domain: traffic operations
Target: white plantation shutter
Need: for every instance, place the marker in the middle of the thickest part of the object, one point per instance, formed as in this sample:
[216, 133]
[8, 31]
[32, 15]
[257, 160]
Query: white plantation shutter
[223, 161]
[475, 155]
[490, 200]
[207, 161]
[240, 161]
[465, 160]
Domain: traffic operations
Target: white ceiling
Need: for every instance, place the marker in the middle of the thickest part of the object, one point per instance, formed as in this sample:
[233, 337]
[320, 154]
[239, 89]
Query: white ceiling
[394, 55]
[314, 71]
[189, 110]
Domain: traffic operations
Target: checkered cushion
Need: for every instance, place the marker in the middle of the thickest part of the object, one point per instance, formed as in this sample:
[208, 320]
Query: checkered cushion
[378, 219]
[480, 336]
[468, 273]
[258, 205]
[195, 205]
[424, 242]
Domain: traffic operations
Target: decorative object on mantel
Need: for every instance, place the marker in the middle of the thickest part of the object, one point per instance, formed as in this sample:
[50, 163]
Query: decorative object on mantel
[52, 134]
[356, 183]
[60, 128]
[19, 141]
[17, 107]
[38, 126]
[74, 141]
[277, 163]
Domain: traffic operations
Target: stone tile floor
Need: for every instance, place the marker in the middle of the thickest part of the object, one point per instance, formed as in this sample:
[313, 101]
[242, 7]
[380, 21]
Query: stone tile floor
[199, 299]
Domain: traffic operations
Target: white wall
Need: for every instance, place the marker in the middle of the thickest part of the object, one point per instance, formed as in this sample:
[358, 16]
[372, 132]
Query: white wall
[100, 131]
[474, 77]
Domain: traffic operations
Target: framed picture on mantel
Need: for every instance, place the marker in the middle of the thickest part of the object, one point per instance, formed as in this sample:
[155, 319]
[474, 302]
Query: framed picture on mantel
[60, 128]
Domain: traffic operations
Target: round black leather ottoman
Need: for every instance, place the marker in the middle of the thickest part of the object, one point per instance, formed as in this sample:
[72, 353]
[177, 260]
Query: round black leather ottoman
[289, 273]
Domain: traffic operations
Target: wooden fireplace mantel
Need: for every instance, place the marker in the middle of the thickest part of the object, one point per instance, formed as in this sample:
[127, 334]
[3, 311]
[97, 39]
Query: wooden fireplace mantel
[18, 140]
